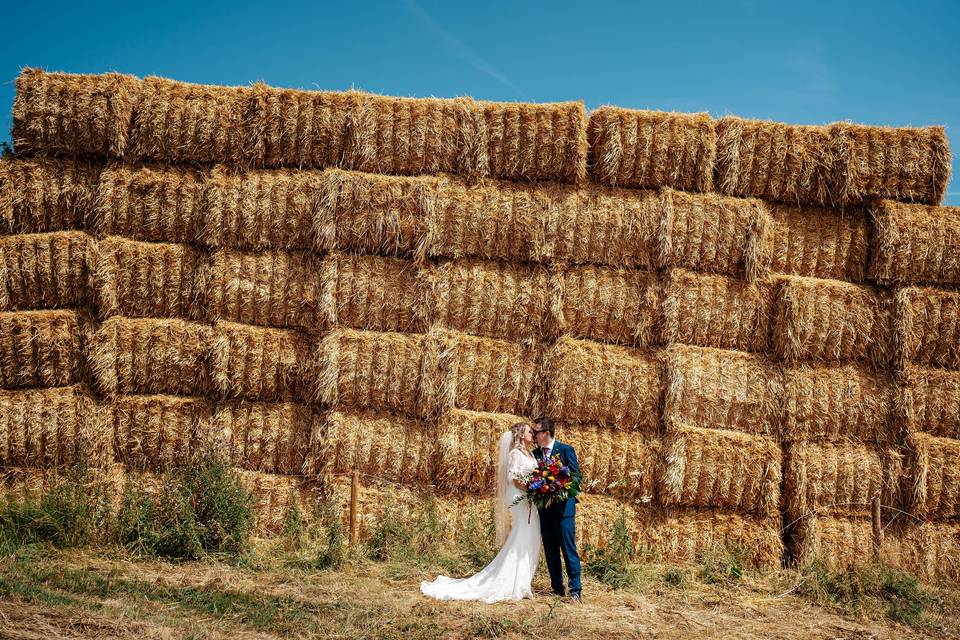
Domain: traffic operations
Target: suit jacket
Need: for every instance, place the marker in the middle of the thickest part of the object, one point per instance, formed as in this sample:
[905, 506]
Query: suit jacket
[569, 459]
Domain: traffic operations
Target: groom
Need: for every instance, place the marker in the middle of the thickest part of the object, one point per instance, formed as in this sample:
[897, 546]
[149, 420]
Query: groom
[557, 520]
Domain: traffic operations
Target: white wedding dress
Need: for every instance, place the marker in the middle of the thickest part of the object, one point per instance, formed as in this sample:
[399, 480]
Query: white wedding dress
[509, 575]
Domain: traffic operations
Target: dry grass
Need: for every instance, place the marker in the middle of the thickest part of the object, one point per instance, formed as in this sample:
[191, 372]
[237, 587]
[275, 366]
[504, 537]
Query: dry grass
[259, 363]
[819, 242]
[44, 194]
[613, 461]
[274, 437]
[394, 448]
[928, 400]
[932, 478]
[472, 438]
[915, 244]
[44, 270]
[43, 348]
[153, 431]
[926, 328]
[374, 292]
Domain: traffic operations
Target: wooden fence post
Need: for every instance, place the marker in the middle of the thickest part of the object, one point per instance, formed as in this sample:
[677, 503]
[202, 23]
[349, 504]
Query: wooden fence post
[354, 489]
[877, 527]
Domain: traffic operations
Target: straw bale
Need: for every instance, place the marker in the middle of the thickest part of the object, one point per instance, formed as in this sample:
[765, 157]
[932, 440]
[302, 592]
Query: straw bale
[836, 403]
[710, 232]
[258, 363]
[929, 550]
[44, 194]
[819, 242]
[720, 468]
[926, 328]
[43, 348]
[607, 304]
[258, 210]
[915, 244]
[273, 287]
[44, 270]
[723, 389]
[712, 310]
[274, 496]
[839, 542]
[831, 321]
[17, 483]
[373, 292]
[150, 355]
[928, 400]
[153, 431]
[274, 437]
[50, 427]
[493, 299]
[147, 279]
[467, 446]
[390, 447]
[304, 129]
[614, 462]
[603, 384]
[73, 114]
[932, 476]
[637, 148]
[144, 202]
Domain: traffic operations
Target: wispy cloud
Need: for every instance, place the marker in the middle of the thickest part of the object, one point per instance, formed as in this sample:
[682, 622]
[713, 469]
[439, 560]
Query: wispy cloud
[461, 49]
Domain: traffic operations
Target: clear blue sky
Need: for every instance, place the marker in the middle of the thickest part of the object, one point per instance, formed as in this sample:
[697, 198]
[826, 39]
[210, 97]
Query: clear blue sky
[890, 63]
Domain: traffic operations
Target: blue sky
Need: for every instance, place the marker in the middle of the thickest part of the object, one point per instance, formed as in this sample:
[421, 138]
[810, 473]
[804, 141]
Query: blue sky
[890, 63]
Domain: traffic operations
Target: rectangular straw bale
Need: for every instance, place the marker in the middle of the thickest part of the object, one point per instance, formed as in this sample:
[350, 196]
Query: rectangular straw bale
[932, 477]
[639, 148]
[378, 293]
[274, 496]
[713, 310]
[467, 449]
[929, 550]
[144, 202]
[831, 321]
[386, 371]
[926, 327]
[486, 374]
[73, 114]
[147, 279]
[493, 299]
[43, 348]
[274, 287]
[598, 514]
[152, 431]
[274, 437]
[614, 462]
[617, 386]
[837, 542]
[45, 194]
[257, 209]
[50, 427]
[915, 244]
[928, 400]
[389, 447]
[182, 122]
[305, 129]
[819, 242]
[150, 355]
[44, 270]
[17, 483]
[607, 304]
[720, 468]
[259, 363]
[722, 389]
[710, 232]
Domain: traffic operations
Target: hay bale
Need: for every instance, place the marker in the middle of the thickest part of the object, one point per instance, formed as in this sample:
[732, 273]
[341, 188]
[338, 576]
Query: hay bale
[304, 128]
[929, 550]
[374, 292]
[44, 270]
[719, 468]
[926, 327]
[915, 244]
[385, 371]
[486, 374]
[390, 447]
[831, 321]
[838, 542]
[637, 148]
[712, 310]
[932, 477]
[50, 427]
[615, 305]
[151, 432]
[603, 384]
[467, 446]
[43, 348]
[614, 462]
[274, 287]
[274, 437]
[709, 232]
[819, 242]
[150, 355]
[837, 403]
[723, 389]
[274, 496]
[73, 114]
[258, 363]
[147, 279]
[43, 194]
[493, 299]
[17, 483]
[154, 203]
[928, 400]
[258, 210]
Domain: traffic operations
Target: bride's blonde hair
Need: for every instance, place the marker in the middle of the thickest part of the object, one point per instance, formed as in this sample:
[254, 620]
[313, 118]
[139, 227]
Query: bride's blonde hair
[517, 430]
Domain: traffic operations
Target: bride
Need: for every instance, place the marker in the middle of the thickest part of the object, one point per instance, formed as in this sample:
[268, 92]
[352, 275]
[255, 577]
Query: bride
[508, 576]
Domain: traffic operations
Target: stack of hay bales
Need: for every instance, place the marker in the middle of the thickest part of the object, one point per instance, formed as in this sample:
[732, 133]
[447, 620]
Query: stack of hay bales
[746, 329]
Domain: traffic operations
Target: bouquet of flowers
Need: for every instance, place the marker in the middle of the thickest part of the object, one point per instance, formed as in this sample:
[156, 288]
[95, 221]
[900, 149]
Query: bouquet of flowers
[551, 482]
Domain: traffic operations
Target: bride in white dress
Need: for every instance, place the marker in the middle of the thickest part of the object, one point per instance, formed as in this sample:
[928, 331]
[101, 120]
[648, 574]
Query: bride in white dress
[509, 575]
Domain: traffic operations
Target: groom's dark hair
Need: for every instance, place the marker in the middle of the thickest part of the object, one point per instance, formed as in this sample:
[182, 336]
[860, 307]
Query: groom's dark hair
[545, 423]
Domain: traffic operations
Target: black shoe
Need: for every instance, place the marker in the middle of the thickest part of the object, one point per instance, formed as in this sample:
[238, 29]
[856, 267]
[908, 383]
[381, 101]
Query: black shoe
[559, 594]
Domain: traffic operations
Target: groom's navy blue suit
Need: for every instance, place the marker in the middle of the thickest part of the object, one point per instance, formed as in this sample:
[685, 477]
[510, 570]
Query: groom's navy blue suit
[557, 527]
